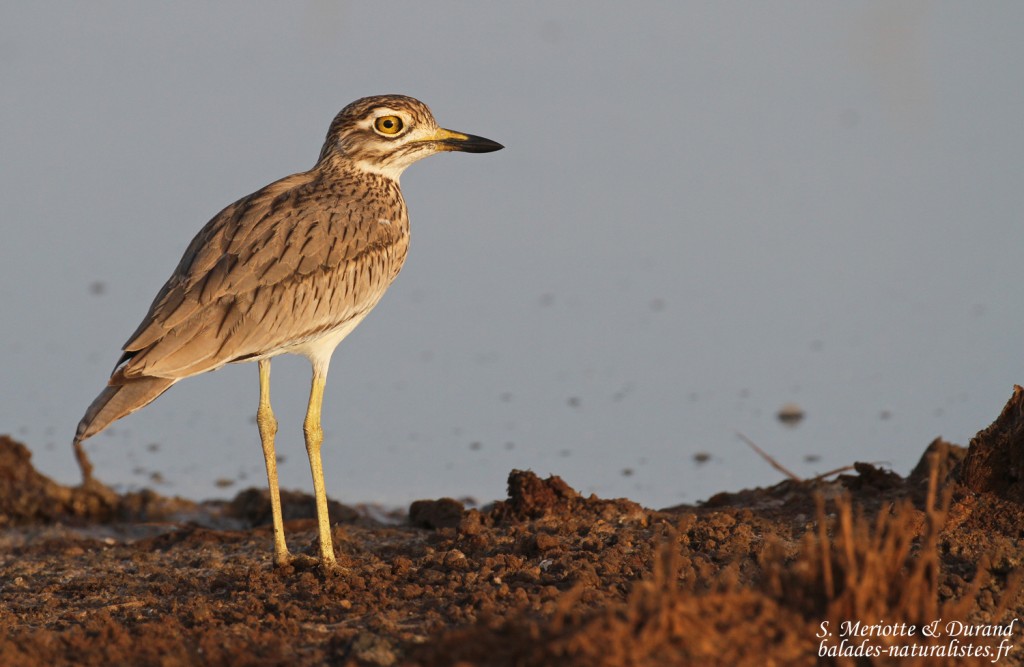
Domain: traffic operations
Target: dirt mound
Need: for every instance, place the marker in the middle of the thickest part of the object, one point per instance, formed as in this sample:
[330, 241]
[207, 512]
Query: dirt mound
[995, 459]
[27, 497]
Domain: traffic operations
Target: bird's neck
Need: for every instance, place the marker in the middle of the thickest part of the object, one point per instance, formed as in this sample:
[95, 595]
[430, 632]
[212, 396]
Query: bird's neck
[341, 163]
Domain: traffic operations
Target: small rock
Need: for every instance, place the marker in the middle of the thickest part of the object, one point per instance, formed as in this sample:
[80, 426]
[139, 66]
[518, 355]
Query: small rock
[441, 513]
[790, 414]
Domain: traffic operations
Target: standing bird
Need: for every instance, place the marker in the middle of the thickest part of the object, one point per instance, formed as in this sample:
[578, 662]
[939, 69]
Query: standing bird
[292, 268]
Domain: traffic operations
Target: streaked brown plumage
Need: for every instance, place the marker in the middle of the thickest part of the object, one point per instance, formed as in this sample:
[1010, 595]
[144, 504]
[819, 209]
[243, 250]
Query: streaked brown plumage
[291, 268]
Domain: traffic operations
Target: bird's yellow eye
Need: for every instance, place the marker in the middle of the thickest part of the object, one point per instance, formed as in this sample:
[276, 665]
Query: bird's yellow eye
[388, 124]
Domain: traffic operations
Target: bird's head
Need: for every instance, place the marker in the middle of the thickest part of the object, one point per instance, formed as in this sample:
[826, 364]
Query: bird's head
[384, 134]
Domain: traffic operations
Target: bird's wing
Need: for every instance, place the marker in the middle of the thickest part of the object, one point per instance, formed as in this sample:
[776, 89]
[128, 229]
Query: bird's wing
[284, 265]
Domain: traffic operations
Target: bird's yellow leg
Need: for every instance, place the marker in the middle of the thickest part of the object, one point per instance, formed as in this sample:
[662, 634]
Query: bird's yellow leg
[314, 438]
[268, 429]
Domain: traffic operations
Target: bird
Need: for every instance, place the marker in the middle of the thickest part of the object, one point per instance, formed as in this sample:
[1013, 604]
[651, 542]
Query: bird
[292, 268]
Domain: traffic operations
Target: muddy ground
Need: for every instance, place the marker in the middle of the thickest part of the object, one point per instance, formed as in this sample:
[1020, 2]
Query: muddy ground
[928, 564]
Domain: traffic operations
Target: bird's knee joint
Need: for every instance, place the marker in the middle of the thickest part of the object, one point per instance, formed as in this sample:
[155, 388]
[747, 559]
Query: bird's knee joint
[314, 435]
[267, 424]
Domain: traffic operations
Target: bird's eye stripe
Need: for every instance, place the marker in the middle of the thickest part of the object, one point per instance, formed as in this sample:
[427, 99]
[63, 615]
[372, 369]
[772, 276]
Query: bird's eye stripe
[388, 125]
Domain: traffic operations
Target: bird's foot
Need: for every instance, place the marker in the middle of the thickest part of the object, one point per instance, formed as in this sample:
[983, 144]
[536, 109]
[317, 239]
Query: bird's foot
[305, 562]
[331, 567]
[296, 561]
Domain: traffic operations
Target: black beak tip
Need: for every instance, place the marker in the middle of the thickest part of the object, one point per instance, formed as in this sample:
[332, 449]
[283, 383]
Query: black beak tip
[475, 144]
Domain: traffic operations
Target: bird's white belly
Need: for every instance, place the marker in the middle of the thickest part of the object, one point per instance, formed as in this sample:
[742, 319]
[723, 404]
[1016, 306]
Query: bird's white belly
[319, 350]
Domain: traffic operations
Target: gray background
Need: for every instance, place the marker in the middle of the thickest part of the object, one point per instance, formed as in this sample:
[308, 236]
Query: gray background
[704, 211]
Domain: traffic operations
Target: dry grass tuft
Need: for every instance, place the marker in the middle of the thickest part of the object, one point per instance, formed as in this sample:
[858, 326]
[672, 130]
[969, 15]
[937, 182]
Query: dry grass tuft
[884, 571]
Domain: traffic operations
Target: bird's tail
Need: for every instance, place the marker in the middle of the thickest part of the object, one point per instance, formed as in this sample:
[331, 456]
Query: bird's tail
[114, 402]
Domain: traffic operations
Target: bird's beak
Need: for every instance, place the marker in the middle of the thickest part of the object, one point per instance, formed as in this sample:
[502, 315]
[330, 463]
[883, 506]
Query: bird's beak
[448, 140]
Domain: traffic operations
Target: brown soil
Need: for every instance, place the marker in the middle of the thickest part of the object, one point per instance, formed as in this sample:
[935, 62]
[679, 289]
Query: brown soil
[546, 577]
